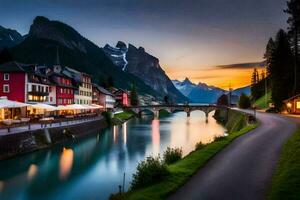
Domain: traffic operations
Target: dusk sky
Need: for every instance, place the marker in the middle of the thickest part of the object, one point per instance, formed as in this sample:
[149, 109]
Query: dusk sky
[189, 37]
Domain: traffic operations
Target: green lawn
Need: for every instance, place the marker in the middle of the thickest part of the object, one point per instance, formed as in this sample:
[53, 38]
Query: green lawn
[261, 102]
[123, 115]
[182, 170]
[286, 180]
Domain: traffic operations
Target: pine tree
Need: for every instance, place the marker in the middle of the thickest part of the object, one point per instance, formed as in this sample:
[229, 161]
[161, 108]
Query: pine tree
[293, 10]
[268, 54]
[280, 69]
[134, 101]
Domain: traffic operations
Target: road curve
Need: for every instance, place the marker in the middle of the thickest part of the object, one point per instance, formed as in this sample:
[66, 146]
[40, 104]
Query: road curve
[243, 169]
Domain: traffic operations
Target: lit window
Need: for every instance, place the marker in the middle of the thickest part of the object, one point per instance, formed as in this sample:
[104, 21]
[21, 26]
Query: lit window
[298, 104]
[6, 77]
[6, 88]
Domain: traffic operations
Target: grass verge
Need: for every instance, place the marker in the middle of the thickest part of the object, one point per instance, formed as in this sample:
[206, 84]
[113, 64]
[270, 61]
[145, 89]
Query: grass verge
[182, 170]
[261, 102]
[286, 180]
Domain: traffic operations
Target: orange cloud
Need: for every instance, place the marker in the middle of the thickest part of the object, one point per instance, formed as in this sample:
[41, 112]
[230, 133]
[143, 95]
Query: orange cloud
[220, 77]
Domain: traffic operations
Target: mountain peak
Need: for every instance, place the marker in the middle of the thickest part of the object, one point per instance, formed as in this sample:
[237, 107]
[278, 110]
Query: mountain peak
[187, 81]
[43, 28]
[121, 45]
[40, 19]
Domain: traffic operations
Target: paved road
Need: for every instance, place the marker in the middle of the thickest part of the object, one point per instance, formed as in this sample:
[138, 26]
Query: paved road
[242, 170]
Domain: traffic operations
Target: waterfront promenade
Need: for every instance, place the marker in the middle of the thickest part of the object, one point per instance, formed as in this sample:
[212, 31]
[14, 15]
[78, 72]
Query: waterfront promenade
[37, 126]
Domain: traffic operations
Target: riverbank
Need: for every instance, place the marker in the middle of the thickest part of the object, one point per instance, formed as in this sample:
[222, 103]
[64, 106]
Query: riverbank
[122, 117]
[28, 141]
[286, 180]
[182, 170]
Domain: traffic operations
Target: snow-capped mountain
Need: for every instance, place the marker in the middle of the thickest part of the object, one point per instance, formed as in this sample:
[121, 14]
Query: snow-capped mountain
[9, 38]
[200, 93]
[138, 62]
[203, 93]
[117, 54]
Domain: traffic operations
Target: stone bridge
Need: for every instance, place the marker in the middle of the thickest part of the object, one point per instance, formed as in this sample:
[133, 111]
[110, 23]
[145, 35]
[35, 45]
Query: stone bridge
[172, 108]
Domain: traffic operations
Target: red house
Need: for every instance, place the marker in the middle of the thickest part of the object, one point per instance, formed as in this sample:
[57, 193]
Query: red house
[64, 89]
[122, 97]
[13, 77]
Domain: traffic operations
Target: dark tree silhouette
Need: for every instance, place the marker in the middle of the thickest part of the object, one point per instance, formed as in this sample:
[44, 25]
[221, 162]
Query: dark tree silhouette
[223, 100]
[280, 70]
[244, 101]
[293, 10]
[5, 56]
[134, 100]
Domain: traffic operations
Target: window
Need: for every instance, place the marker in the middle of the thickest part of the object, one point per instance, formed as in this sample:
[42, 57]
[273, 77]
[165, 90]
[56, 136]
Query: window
[51, 99]
[298, 105]
[6, 88]
[50, 89]
[33, 88]
[6, 77]
[61, 90]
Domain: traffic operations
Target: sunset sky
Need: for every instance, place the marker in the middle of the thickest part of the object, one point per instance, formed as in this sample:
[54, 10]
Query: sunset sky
[190, 37]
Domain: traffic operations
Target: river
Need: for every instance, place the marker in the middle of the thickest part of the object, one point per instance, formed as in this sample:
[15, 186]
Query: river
[92, 168]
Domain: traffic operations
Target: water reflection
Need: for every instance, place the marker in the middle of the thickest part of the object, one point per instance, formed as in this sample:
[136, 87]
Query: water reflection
[32, 171]
[155, 136]
[65, 163]
[124, 129]
[93, 167]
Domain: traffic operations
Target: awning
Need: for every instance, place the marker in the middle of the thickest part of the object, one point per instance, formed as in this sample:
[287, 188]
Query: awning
[5, 103]
[61, 107]
[43, 106]
[75, 107]
[96, 106]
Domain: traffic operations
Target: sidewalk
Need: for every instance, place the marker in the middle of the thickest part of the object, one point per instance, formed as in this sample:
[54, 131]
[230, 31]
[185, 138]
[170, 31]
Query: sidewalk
[36, 126]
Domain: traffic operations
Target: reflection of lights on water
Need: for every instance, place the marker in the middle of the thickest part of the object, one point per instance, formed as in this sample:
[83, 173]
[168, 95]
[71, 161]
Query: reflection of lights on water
[124, 127]
[155, 135]
[65, 163]
[115, 133]
[32, 171]
[1, 186]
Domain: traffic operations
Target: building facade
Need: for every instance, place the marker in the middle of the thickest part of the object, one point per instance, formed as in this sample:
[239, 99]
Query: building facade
[103, 97]
[293, 104]
[122, 97]
[83, 82]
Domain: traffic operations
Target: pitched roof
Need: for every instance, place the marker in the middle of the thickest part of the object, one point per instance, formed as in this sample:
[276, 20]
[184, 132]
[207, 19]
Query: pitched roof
[102, 90]
[15, 67]
[293, 97]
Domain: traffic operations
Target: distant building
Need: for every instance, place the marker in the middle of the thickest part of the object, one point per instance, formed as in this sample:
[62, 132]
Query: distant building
[103, 97]
[293, 104]
[122, 97]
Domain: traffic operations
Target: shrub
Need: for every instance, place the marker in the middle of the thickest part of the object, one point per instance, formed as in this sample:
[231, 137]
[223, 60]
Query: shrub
[244, 101]
[172, 155]
[219, 138]
[148, 172]
[199, 145]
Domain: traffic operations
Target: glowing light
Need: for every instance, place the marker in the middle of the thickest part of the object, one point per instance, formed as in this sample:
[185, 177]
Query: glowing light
[289, 105]
[115, 133]
[124, 126]
[155, 135]
[32, 171]
[66, 163]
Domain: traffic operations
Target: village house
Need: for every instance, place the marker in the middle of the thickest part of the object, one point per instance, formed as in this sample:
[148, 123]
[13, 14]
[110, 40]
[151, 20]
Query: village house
[122, 97]
[293, 104]
[103, 97]
[83, 83]
[24, 83]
